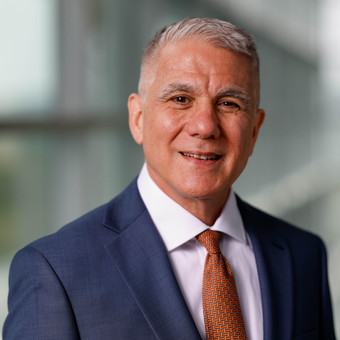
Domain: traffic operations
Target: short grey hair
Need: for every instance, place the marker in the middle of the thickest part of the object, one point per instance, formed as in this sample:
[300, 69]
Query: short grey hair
[217, 32]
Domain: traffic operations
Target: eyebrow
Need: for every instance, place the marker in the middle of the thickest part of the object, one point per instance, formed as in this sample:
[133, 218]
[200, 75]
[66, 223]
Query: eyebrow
[176, 87]
[235, 93]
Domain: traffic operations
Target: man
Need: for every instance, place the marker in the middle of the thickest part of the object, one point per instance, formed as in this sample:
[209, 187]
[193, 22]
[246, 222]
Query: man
[137, 267]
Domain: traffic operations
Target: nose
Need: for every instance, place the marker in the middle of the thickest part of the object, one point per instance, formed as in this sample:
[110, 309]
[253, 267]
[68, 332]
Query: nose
[203, 122]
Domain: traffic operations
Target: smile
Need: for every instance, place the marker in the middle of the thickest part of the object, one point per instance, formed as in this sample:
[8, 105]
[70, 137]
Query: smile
[202, 157]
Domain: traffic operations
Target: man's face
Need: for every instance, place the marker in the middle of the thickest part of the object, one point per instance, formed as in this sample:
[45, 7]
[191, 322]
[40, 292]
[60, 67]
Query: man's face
[197, 120]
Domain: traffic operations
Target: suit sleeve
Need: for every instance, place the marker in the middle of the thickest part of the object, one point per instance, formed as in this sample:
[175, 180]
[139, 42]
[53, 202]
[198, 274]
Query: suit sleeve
[38, 306]
[327, 326]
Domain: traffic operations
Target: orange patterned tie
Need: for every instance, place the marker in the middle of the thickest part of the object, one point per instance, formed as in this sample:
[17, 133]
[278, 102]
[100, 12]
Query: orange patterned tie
[221, 306]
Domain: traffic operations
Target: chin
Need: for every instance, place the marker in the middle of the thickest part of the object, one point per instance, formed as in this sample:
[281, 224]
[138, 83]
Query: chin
[203, 192]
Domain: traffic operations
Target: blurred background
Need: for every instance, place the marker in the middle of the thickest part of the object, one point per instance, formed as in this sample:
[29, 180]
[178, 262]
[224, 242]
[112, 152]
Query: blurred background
[68, 66]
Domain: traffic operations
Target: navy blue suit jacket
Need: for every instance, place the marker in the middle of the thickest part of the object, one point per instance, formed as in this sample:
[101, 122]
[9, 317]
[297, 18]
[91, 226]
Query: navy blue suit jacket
[107, 276]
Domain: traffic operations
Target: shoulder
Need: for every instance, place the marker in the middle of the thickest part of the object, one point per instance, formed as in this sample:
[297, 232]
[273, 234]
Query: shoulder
[80, 237]
[59, 254]
[266, 225]
[74, 234]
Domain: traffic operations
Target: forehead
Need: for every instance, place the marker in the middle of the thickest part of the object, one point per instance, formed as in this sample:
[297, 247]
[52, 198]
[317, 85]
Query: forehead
[201, 63]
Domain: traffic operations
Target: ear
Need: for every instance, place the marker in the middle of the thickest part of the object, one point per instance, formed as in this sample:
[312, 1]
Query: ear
[135, 106]
[259, 118]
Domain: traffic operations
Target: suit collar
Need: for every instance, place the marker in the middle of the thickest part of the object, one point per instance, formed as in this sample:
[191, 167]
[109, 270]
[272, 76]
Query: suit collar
[140, 256]
[275, 270]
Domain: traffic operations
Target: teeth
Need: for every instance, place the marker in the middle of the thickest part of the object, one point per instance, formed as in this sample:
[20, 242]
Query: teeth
[200, 157]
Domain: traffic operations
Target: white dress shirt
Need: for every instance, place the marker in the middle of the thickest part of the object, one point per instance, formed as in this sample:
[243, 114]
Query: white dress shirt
[178, 229]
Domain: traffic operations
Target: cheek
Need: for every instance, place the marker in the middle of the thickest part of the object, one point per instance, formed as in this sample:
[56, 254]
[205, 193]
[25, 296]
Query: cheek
[162, 126]
[165, 125]
[239, 135]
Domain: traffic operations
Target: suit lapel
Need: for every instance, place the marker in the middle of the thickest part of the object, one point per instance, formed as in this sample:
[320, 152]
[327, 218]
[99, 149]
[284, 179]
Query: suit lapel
[275, 272]
[140, 255]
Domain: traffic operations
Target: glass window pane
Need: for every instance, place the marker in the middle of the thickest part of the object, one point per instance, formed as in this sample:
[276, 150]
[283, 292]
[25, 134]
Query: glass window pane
[27, 58]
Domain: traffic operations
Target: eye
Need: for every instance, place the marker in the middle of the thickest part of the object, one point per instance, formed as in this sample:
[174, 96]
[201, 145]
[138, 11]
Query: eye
[181, 99]
[228, 106]
[228, 103]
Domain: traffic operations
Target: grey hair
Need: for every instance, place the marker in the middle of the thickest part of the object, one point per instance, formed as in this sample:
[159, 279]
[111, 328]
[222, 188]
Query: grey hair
[217, 32]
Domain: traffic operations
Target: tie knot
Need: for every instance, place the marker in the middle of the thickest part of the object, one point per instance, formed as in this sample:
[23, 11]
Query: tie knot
[210, 239]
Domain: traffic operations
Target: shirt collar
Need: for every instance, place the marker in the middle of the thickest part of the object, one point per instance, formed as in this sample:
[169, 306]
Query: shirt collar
[176, 225]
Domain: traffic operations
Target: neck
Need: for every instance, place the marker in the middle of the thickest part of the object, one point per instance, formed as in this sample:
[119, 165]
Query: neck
[205, 209]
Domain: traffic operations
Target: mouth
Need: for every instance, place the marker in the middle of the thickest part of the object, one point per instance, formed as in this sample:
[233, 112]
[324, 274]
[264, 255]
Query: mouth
[201, 157]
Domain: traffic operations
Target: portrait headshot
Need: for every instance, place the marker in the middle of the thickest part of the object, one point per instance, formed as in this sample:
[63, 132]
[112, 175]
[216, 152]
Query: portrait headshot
[182, 250]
